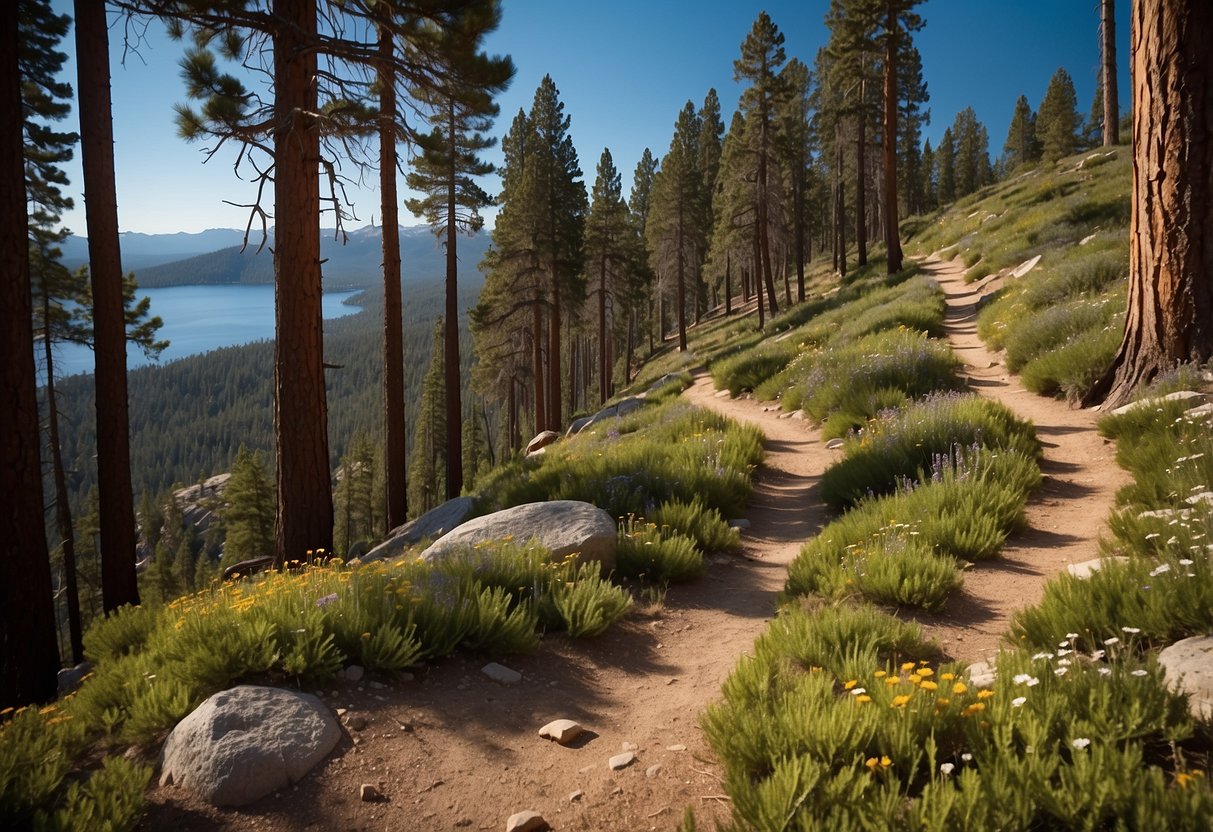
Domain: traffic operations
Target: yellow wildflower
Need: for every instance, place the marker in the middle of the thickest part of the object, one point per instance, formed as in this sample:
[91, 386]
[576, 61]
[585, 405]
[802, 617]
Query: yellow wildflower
[900, 701]
[892, 680]
[947, 677]
[984, 694]
[880, 674]
[850, 683]
[914, 679]
[928, 685]
[908, 666]
[863, 697]
[959, 687]
[925, 672]
[974, 708]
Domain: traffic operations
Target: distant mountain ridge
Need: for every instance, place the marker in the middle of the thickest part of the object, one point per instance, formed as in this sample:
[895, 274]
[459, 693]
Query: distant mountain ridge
[215, 256]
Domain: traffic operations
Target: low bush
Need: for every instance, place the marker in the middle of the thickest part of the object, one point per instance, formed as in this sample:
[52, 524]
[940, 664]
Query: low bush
[704, 525]
[1071, 370]
[914, 442]
[661, 556]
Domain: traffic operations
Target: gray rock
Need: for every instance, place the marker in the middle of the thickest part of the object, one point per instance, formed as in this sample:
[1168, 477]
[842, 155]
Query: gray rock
[430, 526]
[244, 743]
[358, 549]
[835, 444]
[1177, 396]
[739, 523]
[621, 760]
[1086, 568]
[678, 747]
[653, 770]
[723, 394]
[1166, 514]
[526, 821]
[354, 673]
[1189, 669]
[575, 796]
[1204, 498]
[564, 527]
[662, 382]
[563, 731]
[578, 426]
[1087, 239]
[628, 405]
[70, 677]
[981, 674]
[1025, 267]
[541, 440]
[1200, 412]
[501, 673]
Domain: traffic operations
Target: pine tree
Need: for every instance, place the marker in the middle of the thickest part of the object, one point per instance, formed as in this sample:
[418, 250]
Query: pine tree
[733, 220]
[972, 153]
[611, 253]
[446, 171]
[1021, 147]
[1057, 122]
[930, 187]
[795, 140]
[898, 20]
[762, 55]
[674, 202]
[945, 165]
[426, 471]
[641, 309]
[912, 172]
[711, 137]
[29, 657]
[247, 511]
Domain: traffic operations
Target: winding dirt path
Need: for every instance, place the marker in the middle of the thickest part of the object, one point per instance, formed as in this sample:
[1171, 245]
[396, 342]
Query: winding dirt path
[1065, 518]
[453, 750]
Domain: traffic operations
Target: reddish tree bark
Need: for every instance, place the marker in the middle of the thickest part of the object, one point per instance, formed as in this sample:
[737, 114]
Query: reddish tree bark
[450, 333]
[28, 651]
[305, 499]
[892, 238]
[1111, 103]
[394, 427]
[1170, 313]
[118, 584]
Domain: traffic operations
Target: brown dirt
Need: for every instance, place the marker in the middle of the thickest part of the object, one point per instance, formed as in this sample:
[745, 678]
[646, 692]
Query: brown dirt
[454, 750]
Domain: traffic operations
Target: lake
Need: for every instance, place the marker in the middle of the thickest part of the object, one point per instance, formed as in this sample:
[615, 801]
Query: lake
[200, 319]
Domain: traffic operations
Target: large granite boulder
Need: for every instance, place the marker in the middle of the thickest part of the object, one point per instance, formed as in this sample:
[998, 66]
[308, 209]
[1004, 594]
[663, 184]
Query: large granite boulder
[1189, 669]
[246, 742]
[430, 526]
[541, 440]
[562, 526]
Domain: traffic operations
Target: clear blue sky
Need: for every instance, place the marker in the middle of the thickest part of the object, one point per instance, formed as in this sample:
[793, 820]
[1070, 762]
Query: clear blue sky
[624, 69]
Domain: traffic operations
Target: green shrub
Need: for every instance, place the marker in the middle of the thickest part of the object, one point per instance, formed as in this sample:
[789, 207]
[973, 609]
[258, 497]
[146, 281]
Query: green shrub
[1054, 326]
[705, 526]
[915, 441]
[590, 604]
[660, 556]
[1073, 369]
[747, 370]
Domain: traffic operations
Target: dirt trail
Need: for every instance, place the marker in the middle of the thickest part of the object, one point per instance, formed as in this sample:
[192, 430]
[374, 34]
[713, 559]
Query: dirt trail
[453, 750]
[1065, 518]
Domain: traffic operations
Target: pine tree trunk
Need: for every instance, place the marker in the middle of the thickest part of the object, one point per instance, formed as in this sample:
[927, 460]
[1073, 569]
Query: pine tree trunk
[394, 427]
[63, 511]
[757, 271]
[454, 405]
[604, 392]
[305, 498]
[1111, 103]
[840, 226]
[118, 584]
[861, 201]
[511, 428]
[1170, 313]
[728, 283]
[892, 238]
[29, 654]
[682, 306]
[541, 417]
[801, 227]
[554, 363]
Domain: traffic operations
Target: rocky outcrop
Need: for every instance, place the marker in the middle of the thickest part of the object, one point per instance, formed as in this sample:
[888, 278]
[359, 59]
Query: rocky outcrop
[430, 526]
[564, 527]
[1189, 396]
[244, 743]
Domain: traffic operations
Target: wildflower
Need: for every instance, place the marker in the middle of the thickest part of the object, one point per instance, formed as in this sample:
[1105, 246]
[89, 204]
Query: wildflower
[858, 691]
[900, 701]
[366, 635]
[1061, 671]
[959, 687]
[966, 757]
[1130, 630]
[863, 697]
[1080, 743]
[1138, 672]
[984, 694]
[1018, 701]
[914, 679]
[908, 666]
[1023, 678]
[1185, 562]
[1040, 656]
[1071, 635]
[1108, 642]
[929, 685]
[1160, 569]
[973, 708]
[1105, 671]
[1064, 662]
[925, 672]
[850, 683]
[947, 677]
[946, 768]
[880, 674]
[892, 680]
[942, 703]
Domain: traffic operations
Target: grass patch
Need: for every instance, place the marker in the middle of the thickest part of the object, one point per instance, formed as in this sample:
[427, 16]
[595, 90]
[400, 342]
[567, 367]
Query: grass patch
[917, 441]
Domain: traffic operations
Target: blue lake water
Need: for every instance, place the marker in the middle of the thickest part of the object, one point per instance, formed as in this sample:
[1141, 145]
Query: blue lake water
[199, 319]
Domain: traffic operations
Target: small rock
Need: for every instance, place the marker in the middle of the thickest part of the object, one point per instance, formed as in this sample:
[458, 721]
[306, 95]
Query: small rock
[723, 394]
[576, 796]
[981, 674]
[341, 712]
[678, 747]
[356, 722]
[1086, 568]
[1189, 669]
[1204, 497]
[355, 672]
[835, 444]
[621, 760]
[739, 523]
[798, 414]
[1177, 396]
[1087, 239]
[563, 731]
[629, 746]
[501, 673]
[526, 821]
[377, 686]
[370, 793]
[617, 790]
[653, 770]
[462, 822]
[1166, 514]
[1025, 267]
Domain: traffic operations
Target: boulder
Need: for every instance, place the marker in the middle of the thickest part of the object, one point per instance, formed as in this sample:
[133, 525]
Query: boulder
[578, 425]
[981, 674]
[628, 405]
[244, 743]
[1025, 267]
[1177, 396]
[430, 526]
[1084, 570]
[662, 382]
[563, 731]
[1189, 669]
[564, 527]
[541, 440]
[71, 678]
